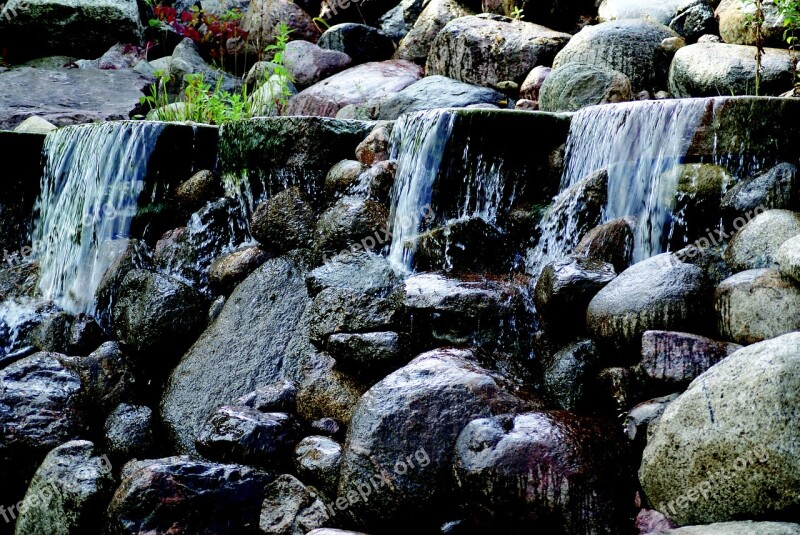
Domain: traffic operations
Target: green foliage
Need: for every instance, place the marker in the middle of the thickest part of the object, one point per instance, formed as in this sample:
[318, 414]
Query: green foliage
[756, 21]
[790, 12]
[319, 21]
[516, 13]
[202, 103]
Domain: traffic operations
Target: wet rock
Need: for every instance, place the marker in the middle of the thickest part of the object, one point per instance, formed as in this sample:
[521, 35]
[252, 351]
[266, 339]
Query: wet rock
[284, 221]
[437, 92]
[756, 305]
[488, 49]
[68, 96]
[777, 188]
[788, 258]
[84, 335]
[343, 310]
[672, 360]
[327, 427]
[39, 407]
[359, 41]
[327, 392]
[642, 415]
[106, 378]
[660, 293]
[229, 270]
[308, 64]
[290, 508]
[632, 47]
[399, 20]
[342, 177]
[711, 69]
[38, 28]
[346, 223]
[356, 85]
[532, 84]
[155, 314]
[68, 493]
[709, 259]
[277, 397]
[266, 351]
[367, 351]
[616, 390]
[375, 147]
[386, 443]
[447, 311]
[51, 334]
[720, 450]
[363, 271]
[200, 188]
[416, 44]
[129, 431]
[568, 375]
[376, 182]
[694, 19]
[508, 467]
[317, 460]
[162, 495]
[756, 245]
[577, 85]
[263, 17]
[463, 245]
[247, 436]
[742, 527]
[611, 242]
[565, 288]
[735, 28]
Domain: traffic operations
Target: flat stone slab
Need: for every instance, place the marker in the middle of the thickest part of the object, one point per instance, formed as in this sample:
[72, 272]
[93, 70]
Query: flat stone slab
[68, 96]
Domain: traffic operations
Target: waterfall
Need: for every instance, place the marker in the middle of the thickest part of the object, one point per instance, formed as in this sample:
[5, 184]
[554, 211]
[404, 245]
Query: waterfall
[418, 144]
[93, 175]
[639, 144]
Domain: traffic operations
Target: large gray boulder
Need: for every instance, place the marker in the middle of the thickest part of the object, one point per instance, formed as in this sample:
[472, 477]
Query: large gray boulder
[735, 26]
[756, 305]
[68, 96]
[577, 85]
[756, 244]
[68, 494]
[632, 47]
[788, 258]
[403, 435]
[437, 92]
[416, 45]
[727, 447]
[713, 69]
[660, 293]
[85, 28]
[308, 63]
[488, 49]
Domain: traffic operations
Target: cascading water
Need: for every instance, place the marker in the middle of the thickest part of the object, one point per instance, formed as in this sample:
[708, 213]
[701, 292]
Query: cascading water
[90, 188]
[639, 144]
[418, 144]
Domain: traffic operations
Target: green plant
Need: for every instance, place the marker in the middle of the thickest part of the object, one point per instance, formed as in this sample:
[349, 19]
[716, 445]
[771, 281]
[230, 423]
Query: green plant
[278, 69]
[516, 13]
[319, 21]
[790, 13]
[755, 20]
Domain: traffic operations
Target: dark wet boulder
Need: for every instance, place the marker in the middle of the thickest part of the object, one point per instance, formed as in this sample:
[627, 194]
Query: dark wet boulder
[175, 493]
[660, 293]
[778, 188]
[365, 352]
[230, 269]
[639, 418]
[68, 493]
[107, 379]
[632, 47]
[756, 305]
[569, 375]
[694, 19]
[377, 181]
[396, 454]
[342, 177]
[375, 147]
[84, 335]
[565, 288]
[130, 431]
[284, 221]
[352, 219]
[200, 188]
[345, 310]
[155, 314]
[611, 242]
[549, 471]
[672, 360]
[317, 460]
[464, 245]
[277, 397]
[291, 508]
[248, 436]
[489, 49]
[362, 271]
[359, 41]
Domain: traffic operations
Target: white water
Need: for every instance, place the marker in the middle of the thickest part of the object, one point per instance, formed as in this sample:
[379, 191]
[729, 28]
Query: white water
[418, 143]
[93, 175]
[640, 144]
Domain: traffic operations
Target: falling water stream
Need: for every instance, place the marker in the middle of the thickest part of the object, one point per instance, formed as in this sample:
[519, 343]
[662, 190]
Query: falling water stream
[93, 175]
